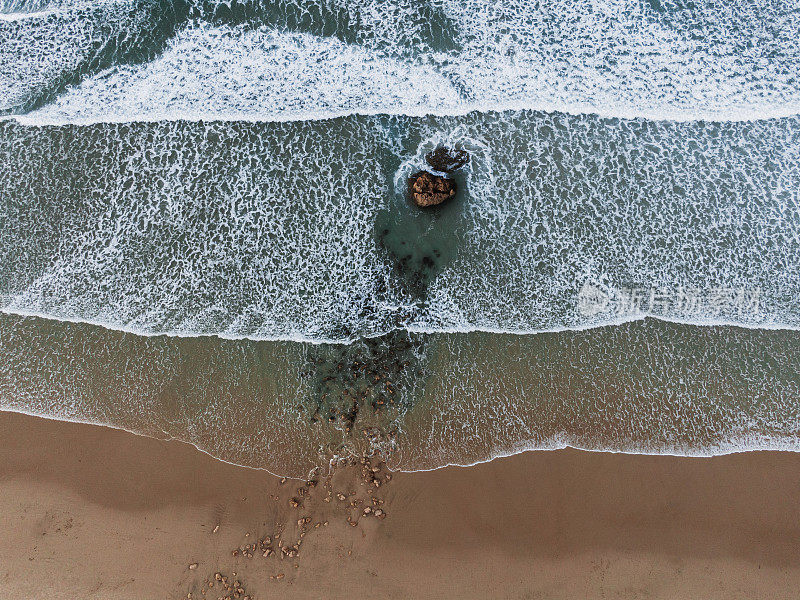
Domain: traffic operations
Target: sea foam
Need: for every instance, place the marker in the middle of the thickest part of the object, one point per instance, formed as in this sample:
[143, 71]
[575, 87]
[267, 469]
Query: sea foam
[288, 61]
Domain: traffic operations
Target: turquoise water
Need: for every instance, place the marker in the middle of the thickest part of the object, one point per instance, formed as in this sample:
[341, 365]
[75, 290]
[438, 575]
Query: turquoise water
[204, 232]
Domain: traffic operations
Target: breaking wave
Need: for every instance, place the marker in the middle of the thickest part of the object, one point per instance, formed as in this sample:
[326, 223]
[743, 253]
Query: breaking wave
[131, 60]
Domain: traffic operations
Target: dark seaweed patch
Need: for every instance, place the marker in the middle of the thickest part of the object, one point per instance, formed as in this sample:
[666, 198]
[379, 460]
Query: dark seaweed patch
[413, 257]
[363, 386]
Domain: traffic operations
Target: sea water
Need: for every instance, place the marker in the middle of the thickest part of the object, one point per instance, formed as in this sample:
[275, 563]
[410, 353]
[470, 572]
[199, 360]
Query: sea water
[205, 235]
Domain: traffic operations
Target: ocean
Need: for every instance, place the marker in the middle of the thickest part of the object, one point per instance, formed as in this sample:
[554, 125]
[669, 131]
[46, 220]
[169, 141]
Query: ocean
[205, 232]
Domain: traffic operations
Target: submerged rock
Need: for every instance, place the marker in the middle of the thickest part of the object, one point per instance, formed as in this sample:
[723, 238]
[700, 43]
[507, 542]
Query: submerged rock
[427, 189]
[447, 160]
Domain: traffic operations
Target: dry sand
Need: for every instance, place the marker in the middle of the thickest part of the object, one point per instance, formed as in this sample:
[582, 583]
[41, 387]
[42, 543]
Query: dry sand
[90, 512]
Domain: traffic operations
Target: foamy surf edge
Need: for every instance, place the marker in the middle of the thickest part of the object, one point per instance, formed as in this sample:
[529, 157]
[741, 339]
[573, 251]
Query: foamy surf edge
[465, 329]
[577, 109]
[731, 447]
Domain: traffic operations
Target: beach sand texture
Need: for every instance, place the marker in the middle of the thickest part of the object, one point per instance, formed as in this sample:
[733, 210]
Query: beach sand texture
[91, 512]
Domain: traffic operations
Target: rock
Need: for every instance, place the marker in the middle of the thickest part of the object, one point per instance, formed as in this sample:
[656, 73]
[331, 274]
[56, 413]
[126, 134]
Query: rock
[192, 566]
[427, 189]
[447, 160]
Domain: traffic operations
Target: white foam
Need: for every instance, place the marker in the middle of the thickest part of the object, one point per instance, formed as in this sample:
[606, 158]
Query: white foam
[223, 73]
[42, 47]
[735, 61]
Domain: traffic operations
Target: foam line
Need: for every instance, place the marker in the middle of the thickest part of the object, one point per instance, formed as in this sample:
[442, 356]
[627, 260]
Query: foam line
[281, 61]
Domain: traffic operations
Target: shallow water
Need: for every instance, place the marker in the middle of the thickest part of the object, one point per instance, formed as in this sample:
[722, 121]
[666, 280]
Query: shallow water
[648, 386]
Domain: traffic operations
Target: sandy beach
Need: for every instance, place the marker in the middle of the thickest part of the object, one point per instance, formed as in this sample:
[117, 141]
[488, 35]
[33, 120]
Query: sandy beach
[92, 512]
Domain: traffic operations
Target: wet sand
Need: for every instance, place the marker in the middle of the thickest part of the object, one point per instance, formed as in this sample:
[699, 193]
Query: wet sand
[92, 512]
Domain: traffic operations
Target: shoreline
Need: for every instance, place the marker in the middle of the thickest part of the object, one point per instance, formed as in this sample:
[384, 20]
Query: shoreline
[496, 457]
[121, 515]
[457, 330]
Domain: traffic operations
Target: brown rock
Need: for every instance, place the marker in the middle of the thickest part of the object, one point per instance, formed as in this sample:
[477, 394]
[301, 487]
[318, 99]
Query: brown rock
[427, 189]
